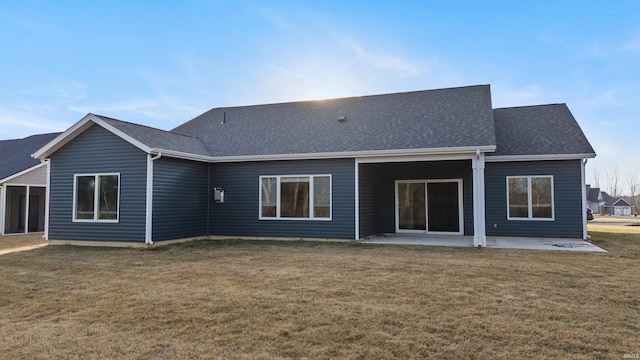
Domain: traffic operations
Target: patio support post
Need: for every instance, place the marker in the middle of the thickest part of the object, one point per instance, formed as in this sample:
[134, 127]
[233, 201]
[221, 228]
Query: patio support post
[479, 229]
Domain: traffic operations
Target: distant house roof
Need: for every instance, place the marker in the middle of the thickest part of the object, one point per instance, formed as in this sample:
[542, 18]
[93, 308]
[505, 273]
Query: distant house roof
[537, 130]
[613, 201]
[431, 119]
[15, 155]
[593, 195]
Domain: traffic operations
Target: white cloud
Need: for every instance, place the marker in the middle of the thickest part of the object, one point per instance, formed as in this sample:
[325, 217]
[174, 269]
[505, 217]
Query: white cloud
[20, 124]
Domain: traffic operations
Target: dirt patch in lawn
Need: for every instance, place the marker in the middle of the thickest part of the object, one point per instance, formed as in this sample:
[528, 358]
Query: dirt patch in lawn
[281, 300]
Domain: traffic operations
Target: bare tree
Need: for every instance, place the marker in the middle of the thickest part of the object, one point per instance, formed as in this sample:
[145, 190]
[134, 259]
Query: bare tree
[596, 178]
[613, 177]
[633, 181]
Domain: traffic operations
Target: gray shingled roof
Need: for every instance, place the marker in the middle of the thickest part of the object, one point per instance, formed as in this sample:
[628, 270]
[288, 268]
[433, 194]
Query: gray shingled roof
[613, 201]
[158, 139]
[15, 155]
[538, 130]
[444, 118]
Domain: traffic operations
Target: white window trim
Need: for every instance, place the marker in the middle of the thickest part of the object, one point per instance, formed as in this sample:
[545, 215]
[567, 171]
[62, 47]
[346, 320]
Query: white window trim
[311, 200]
[529, 199]
[96, 202]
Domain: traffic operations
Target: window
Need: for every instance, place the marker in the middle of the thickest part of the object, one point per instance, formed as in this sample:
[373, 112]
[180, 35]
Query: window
[295, 197]
[96, 197]
[530, 197]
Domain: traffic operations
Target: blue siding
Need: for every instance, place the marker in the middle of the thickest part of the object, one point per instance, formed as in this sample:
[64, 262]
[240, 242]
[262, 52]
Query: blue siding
[567, 199]
[180, 199]
[238, 215]
[427, 170]
[98, 151]
[369, 199]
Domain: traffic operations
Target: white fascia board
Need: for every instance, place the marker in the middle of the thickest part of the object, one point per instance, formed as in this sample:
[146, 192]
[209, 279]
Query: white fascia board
[8, 178]
[77, 129]
[363, 156]
[503, 158]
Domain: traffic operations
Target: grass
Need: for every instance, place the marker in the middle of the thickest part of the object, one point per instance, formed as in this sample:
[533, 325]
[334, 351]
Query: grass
[295, 300]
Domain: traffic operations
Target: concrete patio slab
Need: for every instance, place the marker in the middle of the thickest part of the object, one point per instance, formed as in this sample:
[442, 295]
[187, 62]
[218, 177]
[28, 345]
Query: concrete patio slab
[492, 242]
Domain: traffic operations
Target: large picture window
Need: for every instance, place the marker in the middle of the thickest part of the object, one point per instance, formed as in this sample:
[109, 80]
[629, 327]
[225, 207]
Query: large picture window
[96, 197]
[530, 197]
[295, 197]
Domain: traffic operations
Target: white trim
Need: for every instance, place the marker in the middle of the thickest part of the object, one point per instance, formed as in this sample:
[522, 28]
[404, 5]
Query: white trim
[583, 185]
[530, 200]
[311, 197]
[148, 221]
[357, 199]
[96, 199]
[80, 127]
[479, 216]
[426, 183]
[382, 155]
[502, 158]
[46, 199]
[26, 209]
[8, 178]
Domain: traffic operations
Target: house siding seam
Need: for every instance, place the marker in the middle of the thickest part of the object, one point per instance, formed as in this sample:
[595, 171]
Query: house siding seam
[567, 199]
[388, 173]
[180, 199]
[238, 215]
[98, 151]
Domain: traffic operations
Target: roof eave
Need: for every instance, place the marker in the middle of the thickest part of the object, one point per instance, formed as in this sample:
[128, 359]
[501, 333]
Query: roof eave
[538, 157]
[325, 155]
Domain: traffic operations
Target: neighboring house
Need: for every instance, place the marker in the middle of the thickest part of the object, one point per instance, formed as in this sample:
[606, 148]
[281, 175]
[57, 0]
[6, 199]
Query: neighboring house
[426, 162]
[616, 205]
[22, 185]
[594, 200]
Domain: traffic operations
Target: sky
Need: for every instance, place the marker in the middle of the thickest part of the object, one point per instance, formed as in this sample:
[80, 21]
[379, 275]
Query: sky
[161, 63]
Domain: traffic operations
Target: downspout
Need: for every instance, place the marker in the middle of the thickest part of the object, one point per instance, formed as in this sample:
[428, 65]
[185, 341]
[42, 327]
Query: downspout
[2, 209]
[148, 239]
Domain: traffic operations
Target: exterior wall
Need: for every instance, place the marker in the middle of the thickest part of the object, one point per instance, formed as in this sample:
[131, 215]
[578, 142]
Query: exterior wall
[98, 151]
[386, 175]
[37, 176]
[180, 199]
[238, 215]
[567, 188]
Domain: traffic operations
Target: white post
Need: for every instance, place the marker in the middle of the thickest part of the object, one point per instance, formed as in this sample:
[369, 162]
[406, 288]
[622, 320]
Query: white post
[26, 209]
[46, 199]
[148, 239]
[479, 228]
[583, 183]
[357, 202]
[2, 206]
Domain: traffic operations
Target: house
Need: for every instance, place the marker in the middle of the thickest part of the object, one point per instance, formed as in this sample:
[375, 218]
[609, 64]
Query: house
[594, 200]
[22, 185]
[426, 162]
[615, 205]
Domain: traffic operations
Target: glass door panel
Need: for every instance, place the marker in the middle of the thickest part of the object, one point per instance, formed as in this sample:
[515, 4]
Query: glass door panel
[412, 206]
